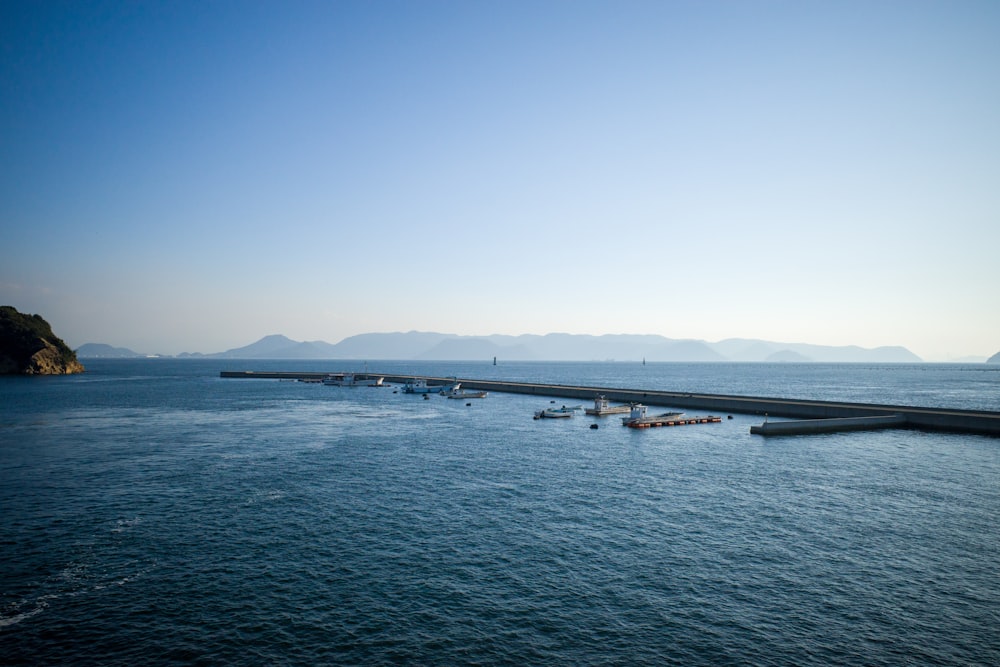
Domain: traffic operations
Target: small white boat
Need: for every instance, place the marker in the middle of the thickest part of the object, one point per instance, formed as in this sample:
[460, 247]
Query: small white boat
[556, 413]
[351, 380]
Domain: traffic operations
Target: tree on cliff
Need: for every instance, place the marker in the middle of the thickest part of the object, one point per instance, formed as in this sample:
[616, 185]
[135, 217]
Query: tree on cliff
[28, 346]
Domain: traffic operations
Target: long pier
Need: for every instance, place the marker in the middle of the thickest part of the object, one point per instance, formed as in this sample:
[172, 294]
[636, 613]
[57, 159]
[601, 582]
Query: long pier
[813, 416]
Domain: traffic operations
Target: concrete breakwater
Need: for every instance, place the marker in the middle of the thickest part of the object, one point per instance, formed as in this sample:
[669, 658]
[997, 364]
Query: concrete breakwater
[828, 425]
[938, 419]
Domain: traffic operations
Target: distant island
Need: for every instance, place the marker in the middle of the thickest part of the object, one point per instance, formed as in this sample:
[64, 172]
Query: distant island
[430, 346]
[28, 346]
[995, 359]
[102, 351]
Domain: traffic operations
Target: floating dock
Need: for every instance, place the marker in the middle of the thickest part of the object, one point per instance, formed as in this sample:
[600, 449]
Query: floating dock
[936, 419]
[652, 422]
[639, 418]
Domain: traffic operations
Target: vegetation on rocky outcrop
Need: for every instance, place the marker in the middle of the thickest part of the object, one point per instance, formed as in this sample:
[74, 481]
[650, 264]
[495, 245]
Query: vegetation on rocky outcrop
[28, 346]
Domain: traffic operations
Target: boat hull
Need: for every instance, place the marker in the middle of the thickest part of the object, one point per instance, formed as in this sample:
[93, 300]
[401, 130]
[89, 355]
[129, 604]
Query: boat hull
[466, 394]
[556, 413]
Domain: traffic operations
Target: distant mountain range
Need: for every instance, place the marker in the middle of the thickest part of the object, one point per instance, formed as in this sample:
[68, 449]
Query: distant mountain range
[416, 345]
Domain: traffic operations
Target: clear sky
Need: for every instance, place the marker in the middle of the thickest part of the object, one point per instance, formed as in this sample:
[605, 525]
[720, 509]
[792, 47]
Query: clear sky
[191, 176]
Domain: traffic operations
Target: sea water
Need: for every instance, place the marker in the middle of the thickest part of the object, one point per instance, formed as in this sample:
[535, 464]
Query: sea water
[152, 512]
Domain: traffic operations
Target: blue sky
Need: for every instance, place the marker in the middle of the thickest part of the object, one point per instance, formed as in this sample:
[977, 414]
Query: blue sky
[191, 176]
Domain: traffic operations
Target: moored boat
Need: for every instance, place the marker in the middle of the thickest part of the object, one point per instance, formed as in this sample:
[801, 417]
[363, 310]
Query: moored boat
[420, 386]
[637, 413]
[461, 393]
[352, 380]
[556, 413]
[603, 407]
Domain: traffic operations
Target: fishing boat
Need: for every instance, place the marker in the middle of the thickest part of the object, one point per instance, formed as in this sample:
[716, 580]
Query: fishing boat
[556, 413]
[457, 392]
[602, 407]
[638, 413]
[420, 386]
[352, 380]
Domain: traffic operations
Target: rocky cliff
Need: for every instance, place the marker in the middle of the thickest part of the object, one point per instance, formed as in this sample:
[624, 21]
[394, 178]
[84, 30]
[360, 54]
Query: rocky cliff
[28, 346]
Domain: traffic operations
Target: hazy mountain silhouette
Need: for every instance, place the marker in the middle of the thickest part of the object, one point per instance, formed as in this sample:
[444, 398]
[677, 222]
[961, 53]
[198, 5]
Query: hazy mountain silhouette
[786, 356]
[556, 347]
[431, 346]
[460, 349]
[277, 346]
[408, 345]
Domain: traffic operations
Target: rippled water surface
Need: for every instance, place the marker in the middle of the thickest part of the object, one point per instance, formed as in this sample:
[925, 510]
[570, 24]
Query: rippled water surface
[151, 512]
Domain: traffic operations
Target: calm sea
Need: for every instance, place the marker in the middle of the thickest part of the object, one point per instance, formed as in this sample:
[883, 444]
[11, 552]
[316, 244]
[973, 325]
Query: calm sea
[153, 513]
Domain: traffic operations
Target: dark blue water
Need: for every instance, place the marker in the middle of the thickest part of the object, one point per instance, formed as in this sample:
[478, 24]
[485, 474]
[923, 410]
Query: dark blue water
[153, 513]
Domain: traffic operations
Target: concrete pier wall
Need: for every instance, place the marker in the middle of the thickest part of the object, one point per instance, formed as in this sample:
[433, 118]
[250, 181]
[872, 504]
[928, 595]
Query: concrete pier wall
[939, 419]
[833, 425]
